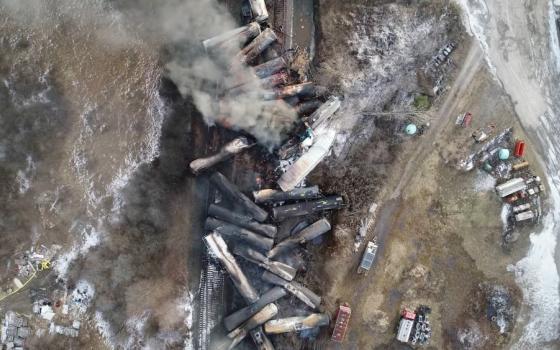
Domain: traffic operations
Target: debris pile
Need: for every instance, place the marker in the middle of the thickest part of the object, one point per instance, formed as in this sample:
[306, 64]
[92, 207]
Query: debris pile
[260, 90]
[414, 326]
[72, 331]
[439, 66]
[55, 311]
[517, 186]
[500, 309]
[243, 237]
[366, 226]
[237, 226]
[490, 317]
[241, 231]
[55, 308]
[15, 330]
[422, 329]
[27, 264]
[443, 55]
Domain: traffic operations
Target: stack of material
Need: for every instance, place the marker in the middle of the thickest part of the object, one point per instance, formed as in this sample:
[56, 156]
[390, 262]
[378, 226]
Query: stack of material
[258, 72]
[239, 227]
[254, 240]
[14, 332]
[422, 330]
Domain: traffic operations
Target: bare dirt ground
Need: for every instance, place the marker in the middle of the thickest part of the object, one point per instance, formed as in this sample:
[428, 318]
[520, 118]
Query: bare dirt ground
[440, 230]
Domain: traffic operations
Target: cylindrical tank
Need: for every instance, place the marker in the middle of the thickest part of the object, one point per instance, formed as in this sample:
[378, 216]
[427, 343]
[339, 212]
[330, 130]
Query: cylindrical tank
[411, 129]
[259, 10]
[503, 154]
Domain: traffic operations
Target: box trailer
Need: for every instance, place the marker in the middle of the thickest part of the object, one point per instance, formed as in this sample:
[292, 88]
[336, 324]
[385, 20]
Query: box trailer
[511, 186]
[524, 216]
[341, 324]
[522, 207]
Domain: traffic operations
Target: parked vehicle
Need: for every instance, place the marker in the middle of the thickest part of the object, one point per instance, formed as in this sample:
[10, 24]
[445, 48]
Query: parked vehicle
[406, 325]
[524, 216]
[341, 324]
[368, 257]
[511, 186]
[519, 149]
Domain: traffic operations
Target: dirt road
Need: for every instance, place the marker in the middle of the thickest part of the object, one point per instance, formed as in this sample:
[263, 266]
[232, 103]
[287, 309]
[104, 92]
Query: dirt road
[389, 213]
[473, 62]
[471, 65]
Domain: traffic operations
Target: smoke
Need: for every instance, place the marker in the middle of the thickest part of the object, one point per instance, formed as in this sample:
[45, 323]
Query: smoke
[178, 27]
[201, 75]
[102, 50]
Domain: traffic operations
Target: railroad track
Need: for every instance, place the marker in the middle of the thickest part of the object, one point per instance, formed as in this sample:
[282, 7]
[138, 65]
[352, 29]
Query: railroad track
[211, 299]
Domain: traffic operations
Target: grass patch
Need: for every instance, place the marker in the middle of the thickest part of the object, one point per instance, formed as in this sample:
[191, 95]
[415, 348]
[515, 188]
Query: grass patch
[422, 102]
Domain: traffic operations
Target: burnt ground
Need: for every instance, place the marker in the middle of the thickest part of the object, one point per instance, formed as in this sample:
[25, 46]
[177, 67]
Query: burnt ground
[153, 252]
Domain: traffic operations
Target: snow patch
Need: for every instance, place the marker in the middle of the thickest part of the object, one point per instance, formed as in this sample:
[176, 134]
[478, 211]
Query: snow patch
[504, 214]
[90, 237]
[104, 329]
[553, 32]
[23, 177]
[484, 182]
[188, 308]
[135, 327]
[475, 16]
[537, 274]
[157, 111]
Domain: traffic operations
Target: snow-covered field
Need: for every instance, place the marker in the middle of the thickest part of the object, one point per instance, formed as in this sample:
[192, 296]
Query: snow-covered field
[521, 45]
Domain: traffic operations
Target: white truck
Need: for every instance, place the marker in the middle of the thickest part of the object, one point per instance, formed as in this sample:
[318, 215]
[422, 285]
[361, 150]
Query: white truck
[368, 257]
[511, 186]
[406, 324]
[524, 216]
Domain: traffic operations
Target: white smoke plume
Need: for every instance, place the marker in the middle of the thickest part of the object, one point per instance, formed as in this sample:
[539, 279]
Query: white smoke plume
[198, 75]
[179, 26]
